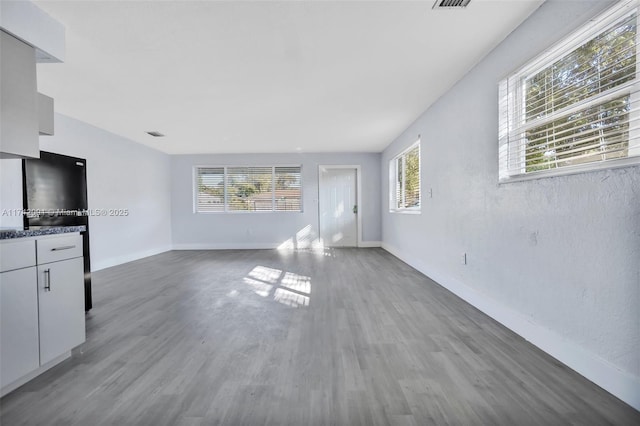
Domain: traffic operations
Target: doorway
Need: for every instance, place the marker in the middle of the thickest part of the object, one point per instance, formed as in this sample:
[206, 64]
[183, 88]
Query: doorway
[338, 205]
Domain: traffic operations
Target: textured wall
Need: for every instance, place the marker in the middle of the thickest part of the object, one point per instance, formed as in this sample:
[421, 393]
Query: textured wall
[241, 230]
[561, 253]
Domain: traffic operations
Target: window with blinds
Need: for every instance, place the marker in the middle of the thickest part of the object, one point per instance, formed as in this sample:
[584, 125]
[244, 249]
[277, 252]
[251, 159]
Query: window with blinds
[575, 108]
[287, 189]
[248, 189]
[405, 180]
[210, 189]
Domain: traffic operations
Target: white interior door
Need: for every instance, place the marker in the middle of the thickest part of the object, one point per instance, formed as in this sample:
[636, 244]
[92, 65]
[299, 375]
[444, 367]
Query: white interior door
[338, 210]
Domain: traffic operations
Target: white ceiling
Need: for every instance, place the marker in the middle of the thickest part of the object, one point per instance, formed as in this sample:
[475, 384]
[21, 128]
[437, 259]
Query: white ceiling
[266, 76]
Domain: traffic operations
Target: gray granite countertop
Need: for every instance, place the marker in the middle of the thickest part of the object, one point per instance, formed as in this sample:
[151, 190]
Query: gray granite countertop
[37, 231]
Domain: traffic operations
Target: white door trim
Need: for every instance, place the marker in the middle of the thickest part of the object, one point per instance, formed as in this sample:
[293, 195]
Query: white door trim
[358, 195]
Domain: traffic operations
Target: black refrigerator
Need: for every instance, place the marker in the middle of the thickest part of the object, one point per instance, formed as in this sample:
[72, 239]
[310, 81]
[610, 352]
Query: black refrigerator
[54, 187]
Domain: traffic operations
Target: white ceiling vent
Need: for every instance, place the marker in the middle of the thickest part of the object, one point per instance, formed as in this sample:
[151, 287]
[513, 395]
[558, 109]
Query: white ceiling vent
[448, 4]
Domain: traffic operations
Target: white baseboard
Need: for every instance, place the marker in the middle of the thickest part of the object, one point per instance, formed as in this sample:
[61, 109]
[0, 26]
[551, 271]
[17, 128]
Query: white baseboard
[600, 371]
[370, 244]
[118, 260]
[250, 246]
[226, 246]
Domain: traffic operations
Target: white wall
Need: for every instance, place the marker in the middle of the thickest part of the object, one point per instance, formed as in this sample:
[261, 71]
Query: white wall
[555, 259]
[10, 193]
[157, 189]
[266, 230]
[121, 174]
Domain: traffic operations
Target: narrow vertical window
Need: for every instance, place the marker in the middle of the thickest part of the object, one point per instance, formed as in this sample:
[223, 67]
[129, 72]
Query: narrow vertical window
[210, 189]
[288, 190]
[405, 187]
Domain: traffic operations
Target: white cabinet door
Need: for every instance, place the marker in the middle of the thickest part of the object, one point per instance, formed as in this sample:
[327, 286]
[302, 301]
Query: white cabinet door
[18, 324]
[18, 99]
[61, 299]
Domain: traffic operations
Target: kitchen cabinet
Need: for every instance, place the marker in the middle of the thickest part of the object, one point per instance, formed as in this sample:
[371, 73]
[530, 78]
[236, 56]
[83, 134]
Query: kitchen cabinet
[45, 115]
[19, 120]
[17, 254]
[42, 305]
[19, 343]
[61, 307]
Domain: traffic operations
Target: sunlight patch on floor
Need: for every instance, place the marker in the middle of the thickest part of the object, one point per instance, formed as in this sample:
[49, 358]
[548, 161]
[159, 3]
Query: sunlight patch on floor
[287, 288]
[290, 298]
[296, 282]
[259, 288]
[268, 275]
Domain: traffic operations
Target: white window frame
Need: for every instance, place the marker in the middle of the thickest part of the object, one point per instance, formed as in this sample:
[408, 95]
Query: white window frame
[226, 210]
[393, 183]
[512, 100]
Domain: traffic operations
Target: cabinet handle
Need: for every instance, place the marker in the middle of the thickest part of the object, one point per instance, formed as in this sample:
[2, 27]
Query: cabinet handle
[62, 248]
[47, 280]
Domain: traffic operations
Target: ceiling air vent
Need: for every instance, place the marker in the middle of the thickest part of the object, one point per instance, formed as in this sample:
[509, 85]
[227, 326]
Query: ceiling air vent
[448, 4]
[155, 134]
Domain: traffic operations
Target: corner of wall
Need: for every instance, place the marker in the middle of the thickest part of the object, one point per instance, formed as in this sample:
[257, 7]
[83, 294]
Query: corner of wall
[129, 257]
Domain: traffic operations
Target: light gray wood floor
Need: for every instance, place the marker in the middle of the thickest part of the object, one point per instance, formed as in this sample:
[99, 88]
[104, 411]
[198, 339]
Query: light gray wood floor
[343, 337]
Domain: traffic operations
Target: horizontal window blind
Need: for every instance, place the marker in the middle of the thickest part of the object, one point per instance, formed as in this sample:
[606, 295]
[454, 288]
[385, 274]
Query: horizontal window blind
[406, 183]
[399, 182]
[210, 189]
[248, 189]
[412, 178]
[288, 190]
[578, 104]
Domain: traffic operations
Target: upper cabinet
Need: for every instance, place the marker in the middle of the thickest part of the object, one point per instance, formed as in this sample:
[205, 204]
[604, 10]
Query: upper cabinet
[19, 128]
[28, 36]
[27, 22]
[45, 114]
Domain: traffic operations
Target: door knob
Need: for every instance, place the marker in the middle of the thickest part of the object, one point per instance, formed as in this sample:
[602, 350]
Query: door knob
[355, 209]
